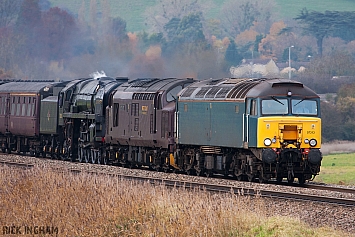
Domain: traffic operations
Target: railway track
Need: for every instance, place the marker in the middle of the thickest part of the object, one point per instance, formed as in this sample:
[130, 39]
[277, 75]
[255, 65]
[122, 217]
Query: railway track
[329, 188]
[215, 187]
[16, 164]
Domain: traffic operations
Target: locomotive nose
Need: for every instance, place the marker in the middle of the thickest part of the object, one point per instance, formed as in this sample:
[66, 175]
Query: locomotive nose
[290, 134]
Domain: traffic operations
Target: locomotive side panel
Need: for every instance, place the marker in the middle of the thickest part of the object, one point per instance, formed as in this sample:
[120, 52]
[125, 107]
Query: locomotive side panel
[210, 123]
[49, 115]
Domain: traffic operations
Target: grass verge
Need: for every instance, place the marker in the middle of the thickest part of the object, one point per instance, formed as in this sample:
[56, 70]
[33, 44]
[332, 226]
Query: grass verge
[89, 205]
[337, 169]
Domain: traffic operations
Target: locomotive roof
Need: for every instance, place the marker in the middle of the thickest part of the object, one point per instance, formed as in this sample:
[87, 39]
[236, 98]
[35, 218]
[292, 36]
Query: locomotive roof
[281, 87]
[240, 88]
[148, 85]
[27, 86]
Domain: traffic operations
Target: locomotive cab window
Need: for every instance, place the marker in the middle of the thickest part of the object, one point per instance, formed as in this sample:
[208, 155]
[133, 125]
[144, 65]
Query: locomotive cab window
[251, 108]
[304, 107]
[274, 106]
[68, 95]
[172, 94]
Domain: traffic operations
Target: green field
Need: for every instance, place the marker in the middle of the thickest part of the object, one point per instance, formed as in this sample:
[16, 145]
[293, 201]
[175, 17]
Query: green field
[132, 11]
[338, 169]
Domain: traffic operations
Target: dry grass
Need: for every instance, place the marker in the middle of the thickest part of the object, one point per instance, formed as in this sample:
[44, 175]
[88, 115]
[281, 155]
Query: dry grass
[89, 205]
[338, 147]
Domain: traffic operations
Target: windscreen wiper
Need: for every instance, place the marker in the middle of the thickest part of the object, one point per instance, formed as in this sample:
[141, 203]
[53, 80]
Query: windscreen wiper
[299, 102]
[273, 97]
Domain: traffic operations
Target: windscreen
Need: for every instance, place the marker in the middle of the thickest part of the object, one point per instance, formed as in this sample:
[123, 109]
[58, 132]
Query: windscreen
[274, 106]
[304, 107]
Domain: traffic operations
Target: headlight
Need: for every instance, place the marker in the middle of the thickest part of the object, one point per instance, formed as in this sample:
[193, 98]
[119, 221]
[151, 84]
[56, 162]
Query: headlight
[267, 142]
[306, 141]
[313, 142]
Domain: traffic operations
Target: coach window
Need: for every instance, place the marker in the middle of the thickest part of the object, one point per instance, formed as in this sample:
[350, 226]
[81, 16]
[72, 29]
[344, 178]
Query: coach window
[13, 106]
[23, 112]
[18, 106]
[34, 106]
[29, 107]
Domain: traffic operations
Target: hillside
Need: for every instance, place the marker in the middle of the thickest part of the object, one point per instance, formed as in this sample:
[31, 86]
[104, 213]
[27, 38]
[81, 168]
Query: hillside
[132, 11]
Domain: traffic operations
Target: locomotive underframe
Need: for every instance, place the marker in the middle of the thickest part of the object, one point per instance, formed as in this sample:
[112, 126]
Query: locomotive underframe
[38, 146]
[243, 164]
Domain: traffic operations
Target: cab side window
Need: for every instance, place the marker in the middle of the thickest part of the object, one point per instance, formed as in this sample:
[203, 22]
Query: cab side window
[253, 108]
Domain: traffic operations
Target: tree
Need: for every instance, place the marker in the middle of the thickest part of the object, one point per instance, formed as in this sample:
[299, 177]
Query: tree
[239, 16]
[185, 35]
[9, 10]
[28, 25]
[165, 10]
[233, 56]
[56, 31]
[118, 28]
[29, 16]
[330, 23]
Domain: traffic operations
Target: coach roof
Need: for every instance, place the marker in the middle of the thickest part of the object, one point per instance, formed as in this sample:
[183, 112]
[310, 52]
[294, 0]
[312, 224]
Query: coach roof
[26, 86]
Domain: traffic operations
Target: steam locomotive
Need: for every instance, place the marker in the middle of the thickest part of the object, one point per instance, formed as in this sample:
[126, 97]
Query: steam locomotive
[251, 129]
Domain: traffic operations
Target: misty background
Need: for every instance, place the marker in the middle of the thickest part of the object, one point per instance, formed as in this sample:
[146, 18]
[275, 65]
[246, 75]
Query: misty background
[69, 39]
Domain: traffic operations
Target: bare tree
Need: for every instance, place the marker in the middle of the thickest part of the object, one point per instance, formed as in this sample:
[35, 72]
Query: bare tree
[165, 10]
[9, 10]
[241, 15]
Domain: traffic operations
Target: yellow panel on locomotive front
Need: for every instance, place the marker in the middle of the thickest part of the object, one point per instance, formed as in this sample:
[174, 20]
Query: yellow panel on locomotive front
[289, 132]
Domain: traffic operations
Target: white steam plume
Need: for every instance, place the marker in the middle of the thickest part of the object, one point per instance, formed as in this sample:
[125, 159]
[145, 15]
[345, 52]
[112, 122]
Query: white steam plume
[97, 74]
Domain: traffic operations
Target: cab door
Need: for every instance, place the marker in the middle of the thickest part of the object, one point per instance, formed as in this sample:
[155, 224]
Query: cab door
[250, 123]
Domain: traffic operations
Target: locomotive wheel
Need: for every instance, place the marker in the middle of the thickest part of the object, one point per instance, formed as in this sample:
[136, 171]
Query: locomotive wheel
[93, 156]
[250, 177]
[166, 169]
[290, 179]
[131, 165]
[279, 179]
[80, 154]
[209, 173]
[105, 159]
[190, 172]
[98, 157]
[301, 180]
[66, 151]
[86, 155]
[199, 172]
